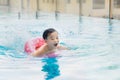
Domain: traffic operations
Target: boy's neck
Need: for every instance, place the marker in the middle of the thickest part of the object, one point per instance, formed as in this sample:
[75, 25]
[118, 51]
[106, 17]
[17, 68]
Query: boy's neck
[51, 48]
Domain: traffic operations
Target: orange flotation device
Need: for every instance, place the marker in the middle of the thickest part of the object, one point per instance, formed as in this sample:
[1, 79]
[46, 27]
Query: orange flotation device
[33, 44]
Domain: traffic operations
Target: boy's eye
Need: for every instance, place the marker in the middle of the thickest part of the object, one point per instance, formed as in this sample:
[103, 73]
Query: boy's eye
[51, 38]
[54, 38]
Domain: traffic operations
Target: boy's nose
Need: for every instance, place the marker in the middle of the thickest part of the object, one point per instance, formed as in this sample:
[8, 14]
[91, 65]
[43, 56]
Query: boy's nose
[56, 40]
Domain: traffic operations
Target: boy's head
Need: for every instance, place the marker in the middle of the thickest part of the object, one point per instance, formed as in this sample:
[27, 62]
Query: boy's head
[51, 37]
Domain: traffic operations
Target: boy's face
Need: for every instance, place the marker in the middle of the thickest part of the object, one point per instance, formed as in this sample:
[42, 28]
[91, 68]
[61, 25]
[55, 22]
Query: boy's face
[53, 40]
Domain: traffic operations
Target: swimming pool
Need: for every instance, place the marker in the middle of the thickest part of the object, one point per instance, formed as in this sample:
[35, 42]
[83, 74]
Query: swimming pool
[94, 54]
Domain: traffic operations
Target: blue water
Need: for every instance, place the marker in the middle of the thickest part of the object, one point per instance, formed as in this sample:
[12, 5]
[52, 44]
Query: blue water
[94, 54]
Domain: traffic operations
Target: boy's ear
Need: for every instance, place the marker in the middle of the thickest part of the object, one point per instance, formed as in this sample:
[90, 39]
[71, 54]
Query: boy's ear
[45, 40]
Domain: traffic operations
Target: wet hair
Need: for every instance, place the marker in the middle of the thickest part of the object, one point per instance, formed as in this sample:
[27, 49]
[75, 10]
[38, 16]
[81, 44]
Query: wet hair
[47, 32]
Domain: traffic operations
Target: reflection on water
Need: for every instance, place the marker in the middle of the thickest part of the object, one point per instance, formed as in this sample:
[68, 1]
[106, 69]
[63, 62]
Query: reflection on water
[110, 27]
[51, 68]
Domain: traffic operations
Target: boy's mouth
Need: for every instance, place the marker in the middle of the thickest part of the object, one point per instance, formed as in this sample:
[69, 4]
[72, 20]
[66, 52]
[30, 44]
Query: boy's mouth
[56, 44]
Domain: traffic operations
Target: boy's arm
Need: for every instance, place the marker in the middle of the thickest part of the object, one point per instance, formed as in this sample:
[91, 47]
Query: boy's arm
[39, 52]
[63, 48]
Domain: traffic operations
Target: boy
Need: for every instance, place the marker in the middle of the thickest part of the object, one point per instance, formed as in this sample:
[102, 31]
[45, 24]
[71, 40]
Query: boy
[51, 43]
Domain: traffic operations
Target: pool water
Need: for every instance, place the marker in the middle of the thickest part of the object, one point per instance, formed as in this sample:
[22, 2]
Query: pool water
[94, 54]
